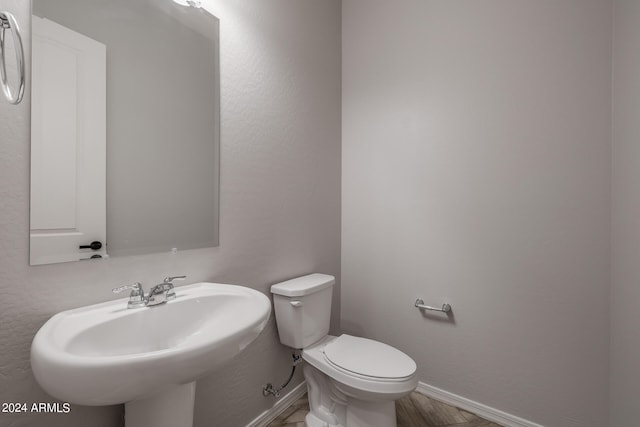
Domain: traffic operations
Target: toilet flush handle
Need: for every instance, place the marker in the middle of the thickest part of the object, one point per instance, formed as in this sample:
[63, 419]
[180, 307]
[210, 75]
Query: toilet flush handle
[296, 303]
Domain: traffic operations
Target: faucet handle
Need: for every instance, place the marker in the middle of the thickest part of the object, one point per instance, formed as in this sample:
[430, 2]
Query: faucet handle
[136, 297]
[167, 285]
[135, 287]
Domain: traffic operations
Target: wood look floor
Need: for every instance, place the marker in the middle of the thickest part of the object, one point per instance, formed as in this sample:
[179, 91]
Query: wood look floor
[415, 410]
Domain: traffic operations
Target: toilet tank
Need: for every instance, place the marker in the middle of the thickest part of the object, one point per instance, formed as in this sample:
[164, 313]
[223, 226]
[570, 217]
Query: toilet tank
[303, 309]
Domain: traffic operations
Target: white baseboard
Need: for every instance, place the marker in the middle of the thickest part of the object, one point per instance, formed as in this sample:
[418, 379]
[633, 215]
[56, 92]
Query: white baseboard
[280, 406]
[479, 409]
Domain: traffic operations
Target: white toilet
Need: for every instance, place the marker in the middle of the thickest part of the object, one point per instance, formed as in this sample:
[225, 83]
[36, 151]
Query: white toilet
[351, 381]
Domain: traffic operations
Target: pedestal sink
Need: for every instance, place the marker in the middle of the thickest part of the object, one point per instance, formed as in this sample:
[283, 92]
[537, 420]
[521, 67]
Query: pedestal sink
[148, 357]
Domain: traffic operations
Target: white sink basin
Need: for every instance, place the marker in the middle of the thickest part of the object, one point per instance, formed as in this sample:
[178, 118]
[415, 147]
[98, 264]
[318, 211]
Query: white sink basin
[107, 354]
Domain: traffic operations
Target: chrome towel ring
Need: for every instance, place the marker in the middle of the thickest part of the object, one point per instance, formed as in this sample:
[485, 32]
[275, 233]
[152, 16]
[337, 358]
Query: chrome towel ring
[8, 22]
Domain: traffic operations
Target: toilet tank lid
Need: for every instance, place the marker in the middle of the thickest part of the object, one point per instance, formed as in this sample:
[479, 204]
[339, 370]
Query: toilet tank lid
[304, 285]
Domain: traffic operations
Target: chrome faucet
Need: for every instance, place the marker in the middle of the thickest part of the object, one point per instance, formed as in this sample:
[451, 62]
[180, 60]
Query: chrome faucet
[163, 292]
[158, 294]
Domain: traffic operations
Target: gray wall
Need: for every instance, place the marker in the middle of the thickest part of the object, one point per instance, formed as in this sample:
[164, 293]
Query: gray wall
[476, 169]
[625, 286]
[280, 207]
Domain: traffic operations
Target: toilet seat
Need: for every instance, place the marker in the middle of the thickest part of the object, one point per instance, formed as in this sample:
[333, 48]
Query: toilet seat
[369, 388]
[368, 358]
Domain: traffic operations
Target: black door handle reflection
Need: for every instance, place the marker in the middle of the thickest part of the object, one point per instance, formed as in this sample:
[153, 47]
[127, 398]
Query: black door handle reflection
[93, 246]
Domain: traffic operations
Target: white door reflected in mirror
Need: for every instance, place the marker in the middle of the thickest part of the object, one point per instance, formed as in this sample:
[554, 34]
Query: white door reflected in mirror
[68, 157]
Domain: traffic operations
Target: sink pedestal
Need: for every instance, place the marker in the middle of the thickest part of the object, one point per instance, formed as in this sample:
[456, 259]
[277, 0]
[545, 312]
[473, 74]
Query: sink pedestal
[170, 408]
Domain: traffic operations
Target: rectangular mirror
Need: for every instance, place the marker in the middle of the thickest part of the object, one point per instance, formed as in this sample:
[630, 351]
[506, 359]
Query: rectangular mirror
[125, 128]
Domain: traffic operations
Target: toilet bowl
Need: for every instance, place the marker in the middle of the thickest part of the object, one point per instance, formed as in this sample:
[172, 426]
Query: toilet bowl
[364, 376]
[351, 381]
